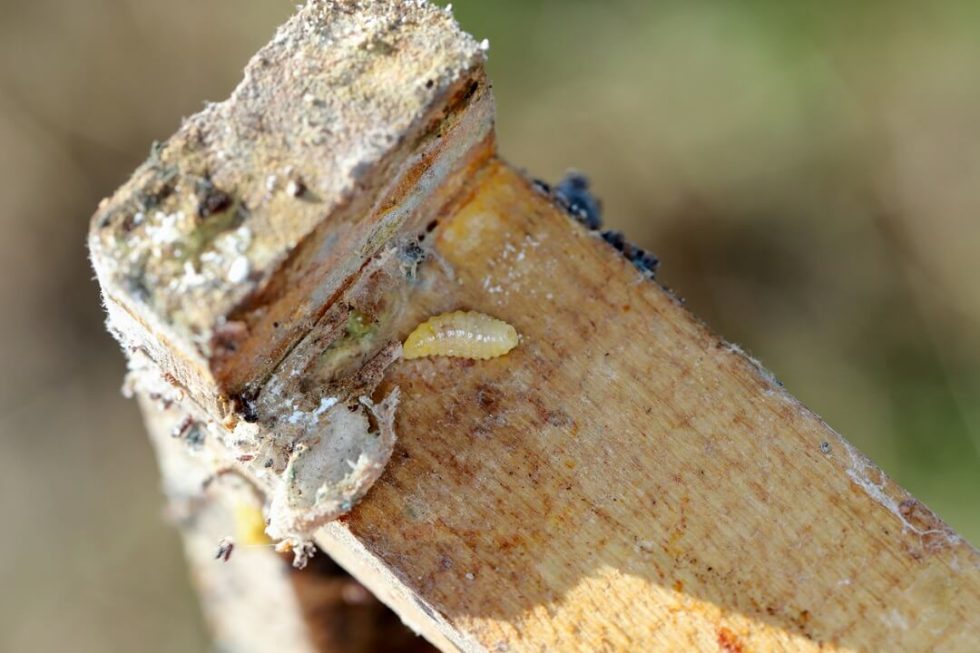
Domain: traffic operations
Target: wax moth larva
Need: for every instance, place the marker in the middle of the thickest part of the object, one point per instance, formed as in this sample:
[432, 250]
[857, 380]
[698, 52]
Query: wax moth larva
[461, 334]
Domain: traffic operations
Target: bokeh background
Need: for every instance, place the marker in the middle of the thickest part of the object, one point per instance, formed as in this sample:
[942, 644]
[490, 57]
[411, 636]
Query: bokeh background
[809, 174]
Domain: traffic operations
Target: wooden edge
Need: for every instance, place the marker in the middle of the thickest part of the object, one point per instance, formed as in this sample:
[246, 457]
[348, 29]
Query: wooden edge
[622, 480]
[234, 237]
[252, 597]
[625, 480]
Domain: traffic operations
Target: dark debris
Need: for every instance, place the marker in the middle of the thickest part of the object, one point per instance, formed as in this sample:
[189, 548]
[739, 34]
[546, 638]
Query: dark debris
[246, 405]
[573, 195]
[410, 255]
[225, 548]
[211, 200]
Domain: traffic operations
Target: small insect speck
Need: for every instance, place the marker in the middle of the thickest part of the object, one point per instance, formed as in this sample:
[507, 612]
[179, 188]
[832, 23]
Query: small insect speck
[225, 547]
[410, 256]
[461, 334]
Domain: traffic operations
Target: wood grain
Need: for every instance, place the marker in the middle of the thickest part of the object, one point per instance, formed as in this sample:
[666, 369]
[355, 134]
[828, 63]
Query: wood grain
[626, 481]
[255, 601]
[623, 480]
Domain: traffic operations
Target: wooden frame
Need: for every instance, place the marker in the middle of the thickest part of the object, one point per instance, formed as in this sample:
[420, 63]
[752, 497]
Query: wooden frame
[622, 480]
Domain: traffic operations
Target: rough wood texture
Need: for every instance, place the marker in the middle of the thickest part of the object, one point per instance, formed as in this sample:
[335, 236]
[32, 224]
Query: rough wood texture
[258, 259]
[622, 480]
[232, 239]
[255, 601]
[248, 600]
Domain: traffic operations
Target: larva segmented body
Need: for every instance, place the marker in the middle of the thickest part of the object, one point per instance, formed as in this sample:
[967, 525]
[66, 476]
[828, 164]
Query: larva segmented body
[461, 334]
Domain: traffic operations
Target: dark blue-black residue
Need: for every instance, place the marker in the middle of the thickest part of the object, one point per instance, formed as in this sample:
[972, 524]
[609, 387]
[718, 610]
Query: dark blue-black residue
[573, 195]
[643, 260]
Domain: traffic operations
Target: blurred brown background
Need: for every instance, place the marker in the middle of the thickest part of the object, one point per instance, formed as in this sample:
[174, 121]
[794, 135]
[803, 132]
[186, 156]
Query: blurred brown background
[808, 172]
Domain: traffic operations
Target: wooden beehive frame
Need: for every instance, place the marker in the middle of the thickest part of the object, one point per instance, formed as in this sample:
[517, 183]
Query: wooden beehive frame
[622, 480]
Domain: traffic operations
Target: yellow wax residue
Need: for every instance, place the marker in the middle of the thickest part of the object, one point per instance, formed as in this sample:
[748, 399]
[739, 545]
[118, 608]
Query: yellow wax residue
[250, 525]
[468, 231]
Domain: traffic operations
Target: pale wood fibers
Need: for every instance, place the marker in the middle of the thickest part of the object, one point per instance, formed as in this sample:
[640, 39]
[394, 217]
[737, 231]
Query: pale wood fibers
[624, 480]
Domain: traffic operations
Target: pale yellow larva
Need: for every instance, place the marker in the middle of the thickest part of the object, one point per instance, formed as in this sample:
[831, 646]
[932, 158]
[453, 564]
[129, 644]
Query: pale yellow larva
[461, 334]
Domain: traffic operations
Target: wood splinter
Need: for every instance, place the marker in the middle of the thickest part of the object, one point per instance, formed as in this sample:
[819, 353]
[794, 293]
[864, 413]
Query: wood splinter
[621, 480]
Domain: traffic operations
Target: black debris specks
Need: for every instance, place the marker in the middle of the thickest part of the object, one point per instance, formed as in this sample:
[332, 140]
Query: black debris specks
[246, 405]
[470, 90]
[542, 187]
[615, 238]
[153, 197]
[641, 259]
[573, 195]
[225, 547]
[211, 200]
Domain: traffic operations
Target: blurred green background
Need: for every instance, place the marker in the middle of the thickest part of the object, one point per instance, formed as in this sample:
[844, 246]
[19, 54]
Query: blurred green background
[808, 172]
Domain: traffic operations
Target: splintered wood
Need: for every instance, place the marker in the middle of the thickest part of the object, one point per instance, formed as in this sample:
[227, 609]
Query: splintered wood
[621, 480]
